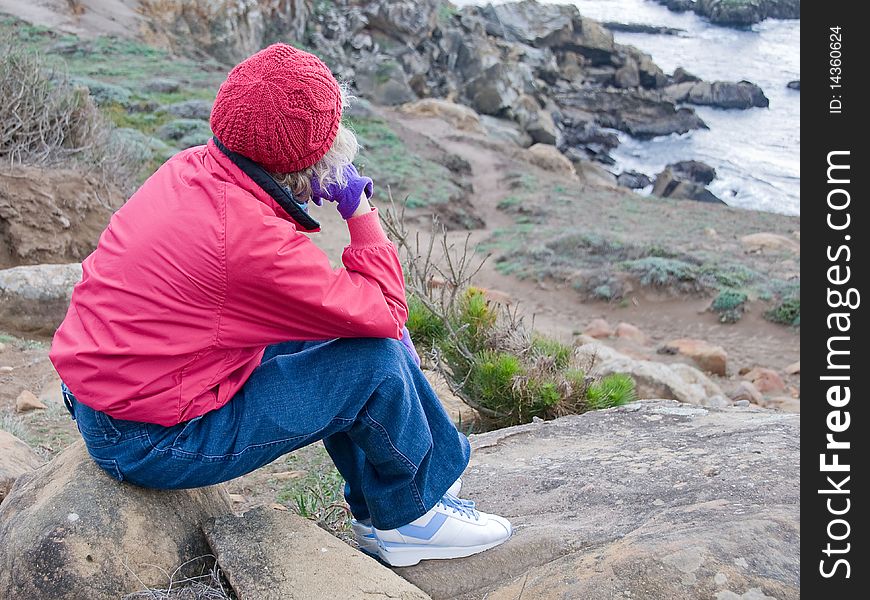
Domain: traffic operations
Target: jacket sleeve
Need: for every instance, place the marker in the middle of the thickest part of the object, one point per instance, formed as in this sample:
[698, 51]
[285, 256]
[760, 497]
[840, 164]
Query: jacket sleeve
[281, 286]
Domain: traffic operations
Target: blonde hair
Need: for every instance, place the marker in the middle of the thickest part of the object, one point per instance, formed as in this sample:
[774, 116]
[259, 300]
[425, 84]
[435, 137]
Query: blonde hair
[330, 168]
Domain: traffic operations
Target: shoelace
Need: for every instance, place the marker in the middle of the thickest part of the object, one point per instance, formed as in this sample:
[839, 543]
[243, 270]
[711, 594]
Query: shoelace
[463, 507]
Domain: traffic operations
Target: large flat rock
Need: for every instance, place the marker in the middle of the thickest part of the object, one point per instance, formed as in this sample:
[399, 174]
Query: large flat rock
[273, 555]
[656, 499]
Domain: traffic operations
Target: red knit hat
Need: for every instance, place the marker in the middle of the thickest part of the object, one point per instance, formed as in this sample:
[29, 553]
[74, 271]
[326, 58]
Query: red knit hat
[280, 107]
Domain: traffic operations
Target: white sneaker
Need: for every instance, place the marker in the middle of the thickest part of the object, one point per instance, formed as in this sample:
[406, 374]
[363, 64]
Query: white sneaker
[452, 529]
[365, 533]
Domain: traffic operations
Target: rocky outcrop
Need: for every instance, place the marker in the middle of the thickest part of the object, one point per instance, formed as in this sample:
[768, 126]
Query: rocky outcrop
[268, 554]
[707, 356]
[633, 180]
[225, 29]
[738, 13]
[16, 459]
[652, 500]
[51, 215]
[721, 94]
[69, 530]
[686, 180]
[654, 379]
[34, 299]
[460, 116]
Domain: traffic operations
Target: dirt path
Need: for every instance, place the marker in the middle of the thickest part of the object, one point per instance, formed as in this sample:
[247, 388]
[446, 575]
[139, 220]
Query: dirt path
[561, 312]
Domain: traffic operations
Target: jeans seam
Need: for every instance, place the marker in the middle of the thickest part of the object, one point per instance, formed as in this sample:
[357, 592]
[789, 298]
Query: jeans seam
[225, 457]
[393, 448]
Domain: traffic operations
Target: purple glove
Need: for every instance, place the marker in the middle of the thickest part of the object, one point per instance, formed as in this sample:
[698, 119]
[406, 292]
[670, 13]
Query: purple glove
[406, 340]
[346, 197]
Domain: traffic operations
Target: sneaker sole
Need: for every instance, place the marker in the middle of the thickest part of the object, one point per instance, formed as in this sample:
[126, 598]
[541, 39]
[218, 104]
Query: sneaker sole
[409, 555]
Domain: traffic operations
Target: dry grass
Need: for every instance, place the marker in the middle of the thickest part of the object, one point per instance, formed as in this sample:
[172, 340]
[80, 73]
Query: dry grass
[208, 586]
[46, 120]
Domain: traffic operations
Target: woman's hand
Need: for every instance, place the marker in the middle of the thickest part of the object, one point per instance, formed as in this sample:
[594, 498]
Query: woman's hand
[406, 340]
[346, 197]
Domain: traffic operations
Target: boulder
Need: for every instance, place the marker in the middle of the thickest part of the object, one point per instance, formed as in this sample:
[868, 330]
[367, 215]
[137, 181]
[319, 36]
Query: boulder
[767, 381]
[549, 158]
[69, 530]
[507, 131]
[458, 115]
[640, 113]
[764, 241]
[409, 22]
[670, 184]
[628, 75]
[536, 122]
[27, 401]
[384, 82]
[50, 215]
[495, 90]
[694, 170]
[655, 499]
[627, 331]
[707, 356]
[633, 180]
[652, 379]
[721, 94]
[34, 299]
[16, 459]
[599, 328]
[794, 368]
[681, 76]
[794, 85]
[746, 390]
[269, 554]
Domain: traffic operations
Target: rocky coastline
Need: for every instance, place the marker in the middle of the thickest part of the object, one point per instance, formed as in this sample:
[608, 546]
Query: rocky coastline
[737, 13]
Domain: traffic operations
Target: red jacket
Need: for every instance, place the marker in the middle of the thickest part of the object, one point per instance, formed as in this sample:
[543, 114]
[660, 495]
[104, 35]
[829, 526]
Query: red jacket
[194, 276]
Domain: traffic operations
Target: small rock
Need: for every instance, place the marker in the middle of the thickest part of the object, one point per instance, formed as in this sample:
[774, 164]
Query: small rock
[783, 403]
[794, 85]
[630, 332]
[718, 401]
[741, 403]
[6, 369]
[766, 380]
[238, 498]
[747, 391]
[598, 329]
[28, 401]
[709, 357]
[794, 368]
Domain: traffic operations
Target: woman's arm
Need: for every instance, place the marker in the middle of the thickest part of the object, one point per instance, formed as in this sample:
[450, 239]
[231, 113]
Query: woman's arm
[281, 286]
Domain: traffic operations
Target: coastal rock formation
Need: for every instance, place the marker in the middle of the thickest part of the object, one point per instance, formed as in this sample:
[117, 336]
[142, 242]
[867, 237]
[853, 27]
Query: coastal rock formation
[651, 500]
[738, 12]
[68, 530]
[686, 180]
[721, 94]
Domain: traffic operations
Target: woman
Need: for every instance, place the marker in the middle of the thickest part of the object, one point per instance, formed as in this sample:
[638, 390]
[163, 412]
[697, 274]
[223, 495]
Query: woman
[209, 336]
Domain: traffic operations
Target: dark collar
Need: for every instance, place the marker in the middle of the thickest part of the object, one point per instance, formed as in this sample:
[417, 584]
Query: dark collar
[278, 192]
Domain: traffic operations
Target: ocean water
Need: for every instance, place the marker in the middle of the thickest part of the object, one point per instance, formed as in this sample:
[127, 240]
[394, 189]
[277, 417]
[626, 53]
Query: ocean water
[756, 152]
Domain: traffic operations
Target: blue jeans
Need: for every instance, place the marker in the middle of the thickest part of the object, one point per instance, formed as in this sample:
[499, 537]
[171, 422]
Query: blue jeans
[377, 415]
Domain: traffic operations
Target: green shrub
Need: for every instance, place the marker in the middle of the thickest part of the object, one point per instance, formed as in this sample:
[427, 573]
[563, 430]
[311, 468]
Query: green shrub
[662, 272]
[729, 304]
[425, 327]
[553, 350]
[786, 312]
[613, 390]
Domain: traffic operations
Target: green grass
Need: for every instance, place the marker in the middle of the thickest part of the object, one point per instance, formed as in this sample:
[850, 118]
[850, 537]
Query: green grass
[319, 494]
[387, 160]
[729, 305]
